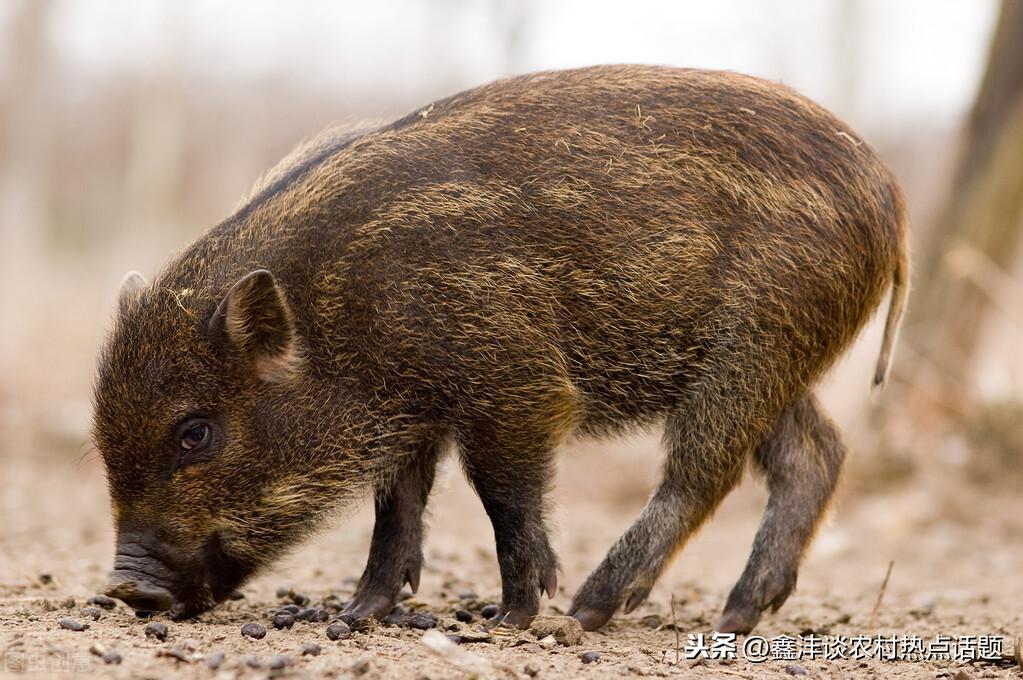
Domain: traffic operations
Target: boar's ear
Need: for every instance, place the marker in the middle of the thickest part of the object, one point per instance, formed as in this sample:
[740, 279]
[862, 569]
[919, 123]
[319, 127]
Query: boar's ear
[131, 288]
[254, 320]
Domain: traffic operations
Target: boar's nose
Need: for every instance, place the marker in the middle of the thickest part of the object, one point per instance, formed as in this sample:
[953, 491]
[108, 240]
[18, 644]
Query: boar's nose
[140, 595]
[141, 578]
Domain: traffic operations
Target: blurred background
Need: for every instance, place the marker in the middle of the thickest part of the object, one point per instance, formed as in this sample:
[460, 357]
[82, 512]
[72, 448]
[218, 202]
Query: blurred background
[128, 128]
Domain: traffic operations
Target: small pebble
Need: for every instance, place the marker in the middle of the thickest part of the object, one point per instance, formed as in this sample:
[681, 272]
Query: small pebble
[821, 631]
[112, 658]
[795, 669]
[69, 603]
[73, 624]
[347, 618]
[292, 609]
[565, 629]
[489, 612]
[313, 615]
[532, 669]
[652, 621]
[925, 608]
[45, 579]
[176, 652]
[252, 661]
[283, 620]
[366, 625]
[589, 657]
[464, 615]
[422, 621]
[472, 635]
[300, 600]
[467, 595]
[102, 601]
[92, 612]
[214, 661]
[311, 649]
[361, 667]
[254, 631]
[283, 593]
[280, 662]
[156, 630]
[338, 630]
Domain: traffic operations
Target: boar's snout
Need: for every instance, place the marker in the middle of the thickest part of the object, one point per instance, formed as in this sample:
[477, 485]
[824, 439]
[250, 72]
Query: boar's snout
[152, 575]
[138, 594]
[142, 577]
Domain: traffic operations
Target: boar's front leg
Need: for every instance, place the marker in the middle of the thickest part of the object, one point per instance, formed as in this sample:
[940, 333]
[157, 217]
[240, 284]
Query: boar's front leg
[396, 552]
[510, 474]
[801, 458]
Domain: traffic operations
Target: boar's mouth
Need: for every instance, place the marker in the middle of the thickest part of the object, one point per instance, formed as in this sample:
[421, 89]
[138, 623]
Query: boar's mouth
[221, 574]
[151, 576]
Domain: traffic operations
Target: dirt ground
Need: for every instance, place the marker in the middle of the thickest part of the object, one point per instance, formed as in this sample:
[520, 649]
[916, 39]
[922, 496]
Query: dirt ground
[955, 551]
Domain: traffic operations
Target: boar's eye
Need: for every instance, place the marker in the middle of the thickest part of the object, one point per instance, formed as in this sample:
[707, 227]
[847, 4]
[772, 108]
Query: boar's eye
[194, 437]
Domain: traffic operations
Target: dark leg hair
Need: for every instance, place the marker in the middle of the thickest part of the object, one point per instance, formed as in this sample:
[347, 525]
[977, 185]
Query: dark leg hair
[396, 553]
[511, 477]
[693, 486]
[802, 458]
[729, 408]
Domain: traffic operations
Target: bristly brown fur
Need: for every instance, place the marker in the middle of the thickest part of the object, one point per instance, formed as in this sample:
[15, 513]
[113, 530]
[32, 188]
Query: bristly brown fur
[581, 250]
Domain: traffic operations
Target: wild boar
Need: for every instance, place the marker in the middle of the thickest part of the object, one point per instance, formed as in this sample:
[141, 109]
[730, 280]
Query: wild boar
[581, 251]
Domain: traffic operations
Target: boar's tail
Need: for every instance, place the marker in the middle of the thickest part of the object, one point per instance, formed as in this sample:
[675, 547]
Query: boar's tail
[896, 307]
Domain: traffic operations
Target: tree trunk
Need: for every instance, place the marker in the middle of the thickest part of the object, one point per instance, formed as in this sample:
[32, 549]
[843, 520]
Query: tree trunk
[971, 249]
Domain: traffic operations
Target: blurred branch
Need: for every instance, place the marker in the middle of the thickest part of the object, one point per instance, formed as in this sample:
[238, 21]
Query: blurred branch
[969, 263]
[25, 161]
[1000, 88]
[23, 141]
[983, 215]
[848, 53]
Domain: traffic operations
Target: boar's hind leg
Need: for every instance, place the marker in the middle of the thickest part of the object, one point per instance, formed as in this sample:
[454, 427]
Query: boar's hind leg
[396, 553]
[510, 476]
[706, 456]
[801, 458]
